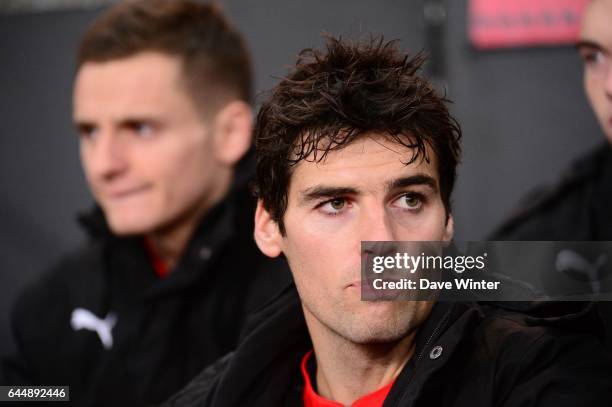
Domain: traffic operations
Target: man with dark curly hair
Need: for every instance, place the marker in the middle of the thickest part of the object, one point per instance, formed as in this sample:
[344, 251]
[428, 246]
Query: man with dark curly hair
[353, 145]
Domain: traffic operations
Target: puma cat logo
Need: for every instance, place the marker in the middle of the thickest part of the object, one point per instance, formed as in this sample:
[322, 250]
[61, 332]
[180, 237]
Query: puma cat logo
[576, 266]
[85, 319]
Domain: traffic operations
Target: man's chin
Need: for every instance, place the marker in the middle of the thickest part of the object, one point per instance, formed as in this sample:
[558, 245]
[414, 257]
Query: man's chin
[382, 322]
[130, 227]
[378, 335]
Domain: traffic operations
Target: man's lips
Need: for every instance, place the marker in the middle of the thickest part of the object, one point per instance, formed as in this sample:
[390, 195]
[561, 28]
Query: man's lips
[363, 286]
[369, 293]
[126, 192]
[355, 284]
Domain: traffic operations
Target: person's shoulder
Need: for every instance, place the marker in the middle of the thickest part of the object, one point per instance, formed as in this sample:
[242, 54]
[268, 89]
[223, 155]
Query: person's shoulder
[74, 267]
[539, 354]
[200, 391]
[524, 323]
[550, 341]
[544, 212]
[51, 294]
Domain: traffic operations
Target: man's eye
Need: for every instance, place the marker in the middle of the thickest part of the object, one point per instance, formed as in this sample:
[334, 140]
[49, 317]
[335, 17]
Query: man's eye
[141, 129]
[334, 206]
[337, 204]
[411, 202]
[592, 57]
[87, 132]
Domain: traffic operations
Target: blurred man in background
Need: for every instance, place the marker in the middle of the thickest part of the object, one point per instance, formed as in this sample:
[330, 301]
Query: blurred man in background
[579, 207]
[161, 105]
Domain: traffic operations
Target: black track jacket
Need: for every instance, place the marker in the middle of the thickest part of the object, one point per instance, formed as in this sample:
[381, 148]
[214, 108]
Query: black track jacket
[485, 356]
[103, 323]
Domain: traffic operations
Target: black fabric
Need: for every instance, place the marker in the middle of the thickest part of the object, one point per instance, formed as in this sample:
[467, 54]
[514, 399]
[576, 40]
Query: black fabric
[579, 208]
[491, 356]
[167, 329]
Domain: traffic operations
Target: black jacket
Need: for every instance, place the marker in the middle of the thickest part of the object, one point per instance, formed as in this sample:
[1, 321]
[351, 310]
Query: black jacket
[166, 330]
[579, 208]
[490, 356]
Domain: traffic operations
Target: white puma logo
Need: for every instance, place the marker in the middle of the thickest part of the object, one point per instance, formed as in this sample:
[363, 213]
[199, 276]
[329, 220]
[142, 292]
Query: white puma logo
[85, 319]
[576, 266]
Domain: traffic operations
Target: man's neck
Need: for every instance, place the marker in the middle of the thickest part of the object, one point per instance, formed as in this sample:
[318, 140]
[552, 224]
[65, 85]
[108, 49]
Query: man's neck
[169, 245]
[347, 371]
[170, 242]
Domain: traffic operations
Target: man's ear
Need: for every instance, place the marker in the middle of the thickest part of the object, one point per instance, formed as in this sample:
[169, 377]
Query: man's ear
[267, 233]
[233, 127]
[450, 229]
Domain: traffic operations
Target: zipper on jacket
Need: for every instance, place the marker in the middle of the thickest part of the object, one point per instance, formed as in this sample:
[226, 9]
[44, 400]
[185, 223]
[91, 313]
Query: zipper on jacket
[438, 327]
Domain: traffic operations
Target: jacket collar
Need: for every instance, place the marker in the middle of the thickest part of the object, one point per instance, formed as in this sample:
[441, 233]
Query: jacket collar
[276, 338]
[265, 367]
[123, 254]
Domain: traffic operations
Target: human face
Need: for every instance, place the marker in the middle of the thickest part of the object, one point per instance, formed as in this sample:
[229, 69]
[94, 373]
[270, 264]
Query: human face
[595, 46]
[363, 192]
[147, 151]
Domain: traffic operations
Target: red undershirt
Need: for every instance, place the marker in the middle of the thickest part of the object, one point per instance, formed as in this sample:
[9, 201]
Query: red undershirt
[161, 268]
[312, 399]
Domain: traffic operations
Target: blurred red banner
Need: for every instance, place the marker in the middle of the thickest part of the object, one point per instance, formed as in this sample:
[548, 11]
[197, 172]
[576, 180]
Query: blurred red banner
[520, 23]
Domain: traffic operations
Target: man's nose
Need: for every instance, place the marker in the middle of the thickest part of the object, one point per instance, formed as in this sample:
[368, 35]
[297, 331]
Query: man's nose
[377, 226]
[107, 155]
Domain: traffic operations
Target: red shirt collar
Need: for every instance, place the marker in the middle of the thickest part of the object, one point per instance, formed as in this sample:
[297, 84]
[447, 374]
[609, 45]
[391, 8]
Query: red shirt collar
[161, 268]
[312, 399]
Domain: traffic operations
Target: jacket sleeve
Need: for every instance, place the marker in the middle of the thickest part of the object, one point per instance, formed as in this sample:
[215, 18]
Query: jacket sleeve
[37, 318]
[560, 371]
[14, 368]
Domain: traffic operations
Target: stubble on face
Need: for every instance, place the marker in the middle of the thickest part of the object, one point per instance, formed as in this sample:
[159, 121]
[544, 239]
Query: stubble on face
[323, 249]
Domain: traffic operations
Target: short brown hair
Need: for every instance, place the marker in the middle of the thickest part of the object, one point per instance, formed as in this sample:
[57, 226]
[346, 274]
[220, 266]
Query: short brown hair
[331, 98]
[216, 63]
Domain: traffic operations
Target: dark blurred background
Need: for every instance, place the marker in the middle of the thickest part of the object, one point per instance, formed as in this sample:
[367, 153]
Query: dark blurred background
[523, 112]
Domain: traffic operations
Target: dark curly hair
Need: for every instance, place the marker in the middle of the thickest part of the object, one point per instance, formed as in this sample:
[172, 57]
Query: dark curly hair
[330, 98]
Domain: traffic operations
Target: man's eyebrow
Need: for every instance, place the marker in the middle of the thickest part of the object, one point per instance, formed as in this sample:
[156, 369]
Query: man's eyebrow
[80, 124]
[419, 179]
[134, 120]
[124, 122]
[588, 44]
[321, 191]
